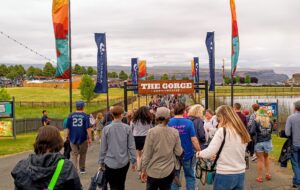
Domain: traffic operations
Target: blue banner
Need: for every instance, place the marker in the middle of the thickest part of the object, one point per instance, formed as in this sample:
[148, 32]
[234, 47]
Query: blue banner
[134, 72]
[210, 45]
[196, 65]
[101, 85]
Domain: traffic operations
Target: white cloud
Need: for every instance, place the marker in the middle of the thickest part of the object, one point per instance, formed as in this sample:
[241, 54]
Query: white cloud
[168, 32]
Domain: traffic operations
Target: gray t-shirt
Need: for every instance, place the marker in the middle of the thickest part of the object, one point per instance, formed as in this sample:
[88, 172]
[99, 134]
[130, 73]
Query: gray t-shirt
[292, 126]
[140, 130]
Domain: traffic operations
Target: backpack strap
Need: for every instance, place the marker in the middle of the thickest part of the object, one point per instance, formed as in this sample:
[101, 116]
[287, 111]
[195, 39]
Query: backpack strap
[56, 174]
[221, 148]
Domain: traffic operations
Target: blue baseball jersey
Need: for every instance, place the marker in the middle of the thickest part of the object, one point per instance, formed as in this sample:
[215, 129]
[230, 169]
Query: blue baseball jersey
[78, 123]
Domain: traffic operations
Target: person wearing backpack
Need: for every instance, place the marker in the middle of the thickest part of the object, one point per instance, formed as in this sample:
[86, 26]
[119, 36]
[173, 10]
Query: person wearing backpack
[46, 168]
[228, 148]
[195, 114]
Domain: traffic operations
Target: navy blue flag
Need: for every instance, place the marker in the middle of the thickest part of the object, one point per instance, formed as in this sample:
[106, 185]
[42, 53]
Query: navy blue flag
[197, 70]
[101, 85]
[134, 72]
[210, 45]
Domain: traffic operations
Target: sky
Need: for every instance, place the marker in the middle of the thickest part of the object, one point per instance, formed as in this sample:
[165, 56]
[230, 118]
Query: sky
[164, 32]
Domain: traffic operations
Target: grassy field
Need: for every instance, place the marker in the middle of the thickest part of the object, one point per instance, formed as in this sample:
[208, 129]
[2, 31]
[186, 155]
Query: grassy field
[277, 145]
[24, 142]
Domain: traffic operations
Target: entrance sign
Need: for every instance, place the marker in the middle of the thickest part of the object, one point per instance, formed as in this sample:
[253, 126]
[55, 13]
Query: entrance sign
[166, 87]
[272, 108]
[6, 110]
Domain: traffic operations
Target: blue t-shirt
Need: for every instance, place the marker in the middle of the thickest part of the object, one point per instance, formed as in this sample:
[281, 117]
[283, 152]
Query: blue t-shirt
[78, 123]
[186, 131]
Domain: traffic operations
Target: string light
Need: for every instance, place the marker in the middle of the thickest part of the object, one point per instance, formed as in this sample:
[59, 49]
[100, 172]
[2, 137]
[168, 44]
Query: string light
[26, 47]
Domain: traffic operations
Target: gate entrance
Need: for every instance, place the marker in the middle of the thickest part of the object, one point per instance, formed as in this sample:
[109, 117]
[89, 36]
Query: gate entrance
[197, 88]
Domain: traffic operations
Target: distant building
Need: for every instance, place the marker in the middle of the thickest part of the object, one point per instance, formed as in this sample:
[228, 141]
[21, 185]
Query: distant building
[295, 79]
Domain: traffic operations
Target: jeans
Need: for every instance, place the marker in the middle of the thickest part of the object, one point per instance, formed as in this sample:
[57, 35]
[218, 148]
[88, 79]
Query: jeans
[295, 159]
[229, 182]
[160, 184]
[116, 177]
[189, 173]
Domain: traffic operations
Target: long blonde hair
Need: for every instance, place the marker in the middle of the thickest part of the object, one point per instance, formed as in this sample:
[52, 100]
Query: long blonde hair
[196, 111]
[231, 120]
[263, 120]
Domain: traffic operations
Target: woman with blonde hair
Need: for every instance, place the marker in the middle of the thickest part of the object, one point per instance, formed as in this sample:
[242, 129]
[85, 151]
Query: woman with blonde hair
[262, 128]
[195, 114]
[99, 125]
[229, 144]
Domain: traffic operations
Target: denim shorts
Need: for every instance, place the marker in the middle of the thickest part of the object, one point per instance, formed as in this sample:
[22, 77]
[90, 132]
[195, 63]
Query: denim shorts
[265, 147]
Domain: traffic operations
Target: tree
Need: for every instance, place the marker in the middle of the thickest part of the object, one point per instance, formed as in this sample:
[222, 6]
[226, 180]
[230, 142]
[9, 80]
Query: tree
[123, 75]
[165, 76]
[247, 79]
[151, 77]
[254, 80]
[237, 79]
[242, 80]
[87, 87]
[12, 74]
[38, 72]
[20, 70]
[48, 70]
[30, 71]
[185, 78]
[3, 70]
[83, 71]
[114, 75]
[227, 80]
[4, 96]
[77, 69]
[173, 77]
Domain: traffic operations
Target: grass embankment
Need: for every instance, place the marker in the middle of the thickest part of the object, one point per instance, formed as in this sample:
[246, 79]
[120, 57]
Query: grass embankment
[33, 98]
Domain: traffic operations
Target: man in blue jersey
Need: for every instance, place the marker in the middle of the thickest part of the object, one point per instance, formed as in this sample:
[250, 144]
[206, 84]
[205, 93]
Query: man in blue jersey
[79, 134]
[189, 143]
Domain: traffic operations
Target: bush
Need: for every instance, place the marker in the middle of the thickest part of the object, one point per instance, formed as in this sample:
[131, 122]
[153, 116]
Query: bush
[4, 96]
[87, 87]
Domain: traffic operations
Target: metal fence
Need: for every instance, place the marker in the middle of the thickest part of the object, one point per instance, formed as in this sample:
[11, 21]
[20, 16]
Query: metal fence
[30, 125]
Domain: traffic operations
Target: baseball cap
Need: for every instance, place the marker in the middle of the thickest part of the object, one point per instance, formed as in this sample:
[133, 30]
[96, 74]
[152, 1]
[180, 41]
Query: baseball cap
[162, 112]
[79, 104]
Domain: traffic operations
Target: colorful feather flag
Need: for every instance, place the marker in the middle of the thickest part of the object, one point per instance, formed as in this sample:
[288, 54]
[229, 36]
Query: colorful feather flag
[60, 17]
[193, 69]
[235, 39]
[142, 70]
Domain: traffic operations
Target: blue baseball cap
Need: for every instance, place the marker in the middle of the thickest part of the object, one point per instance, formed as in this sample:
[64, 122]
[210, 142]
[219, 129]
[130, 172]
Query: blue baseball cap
[80, 104]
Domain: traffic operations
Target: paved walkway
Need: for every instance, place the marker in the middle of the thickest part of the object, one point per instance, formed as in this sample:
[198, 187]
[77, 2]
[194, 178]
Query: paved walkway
[281, 177]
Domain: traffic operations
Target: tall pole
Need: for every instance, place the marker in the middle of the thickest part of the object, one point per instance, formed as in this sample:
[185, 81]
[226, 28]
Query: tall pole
[223, 71]
[70, 58]
[214, 74]
[231, 90]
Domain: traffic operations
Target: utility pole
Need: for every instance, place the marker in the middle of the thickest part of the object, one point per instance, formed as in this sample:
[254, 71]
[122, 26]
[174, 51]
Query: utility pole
[223, 72]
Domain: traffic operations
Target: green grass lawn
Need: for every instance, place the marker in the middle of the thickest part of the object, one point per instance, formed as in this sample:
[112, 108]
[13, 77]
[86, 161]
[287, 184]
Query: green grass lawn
[277, 145]
[24, 142]
[35, 94]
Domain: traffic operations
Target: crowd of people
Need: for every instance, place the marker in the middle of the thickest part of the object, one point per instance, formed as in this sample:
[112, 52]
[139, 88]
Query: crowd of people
[158, 141]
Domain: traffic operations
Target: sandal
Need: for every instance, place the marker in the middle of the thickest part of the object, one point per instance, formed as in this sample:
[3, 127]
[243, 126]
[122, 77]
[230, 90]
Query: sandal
[259, 179]
[268, 177]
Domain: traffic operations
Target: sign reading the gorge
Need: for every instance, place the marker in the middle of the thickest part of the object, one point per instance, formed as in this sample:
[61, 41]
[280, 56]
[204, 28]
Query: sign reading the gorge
[166, 87]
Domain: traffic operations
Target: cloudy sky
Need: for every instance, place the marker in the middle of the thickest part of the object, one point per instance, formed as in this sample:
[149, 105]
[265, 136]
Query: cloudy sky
[164, 32]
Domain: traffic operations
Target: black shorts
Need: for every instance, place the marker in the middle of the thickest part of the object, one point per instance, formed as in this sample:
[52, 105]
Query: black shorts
[139, 142]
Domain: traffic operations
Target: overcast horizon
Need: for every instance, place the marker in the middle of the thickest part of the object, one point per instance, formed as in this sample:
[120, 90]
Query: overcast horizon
[169, 32]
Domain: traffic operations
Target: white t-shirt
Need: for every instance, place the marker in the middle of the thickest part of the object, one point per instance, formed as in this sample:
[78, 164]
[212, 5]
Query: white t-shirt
[210, 127]
[232, 157]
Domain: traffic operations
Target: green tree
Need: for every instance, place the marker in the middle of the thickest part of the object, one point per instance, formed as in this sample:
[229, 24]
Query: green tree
[20, 70]
[77, 69]
[3, 70]
[248, 79]
[38, 72]
[87, 87]
[173, 77]
[4, 96]
[165, 76]
[238, 79]
[48, 70]
[185, 78]
[123, 75]
[227, 80]
[151, 77]
[12, 74]
[83, 71]
[114, 75]
[91, 71]
[30, 71]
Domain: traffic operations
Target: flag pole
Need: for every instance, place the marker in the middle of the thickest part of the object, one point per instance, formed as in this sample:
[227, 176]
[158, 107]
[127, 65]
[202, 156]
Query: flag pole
[70, 58]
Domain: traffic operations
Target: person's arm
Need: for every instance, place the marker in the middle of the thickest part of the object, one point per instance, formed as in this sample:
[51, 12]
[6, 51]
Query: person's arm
[131, 147]
[288, 127]
[178, 148]
[201, 132]
[89, 129]
[214, 145]
[253, 128]
[194, 139]
[103, 149]
[147, 155]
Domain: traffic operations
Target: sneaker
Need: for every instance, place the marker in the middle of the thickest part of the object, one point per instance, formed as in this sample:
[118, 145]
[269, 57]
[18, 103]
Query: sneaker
[82, 171]
[254, 158]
